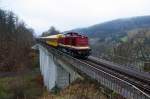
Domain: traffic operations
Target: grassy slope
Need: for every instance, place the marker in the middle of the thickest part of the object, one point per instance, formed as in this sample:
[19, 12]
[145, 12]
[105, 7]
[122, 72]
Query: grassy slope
[27, 85]
[80, 89]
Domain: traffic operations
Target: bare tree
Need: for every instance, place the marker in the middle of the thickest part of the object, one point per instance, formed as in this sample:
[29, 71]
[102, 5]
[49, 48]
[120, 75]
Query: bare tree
[15, 42]
[51, 31]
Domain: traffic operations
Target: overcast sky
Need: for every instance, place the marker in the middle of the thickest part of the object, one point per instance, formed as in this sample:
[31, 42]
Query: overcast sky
[69, 14]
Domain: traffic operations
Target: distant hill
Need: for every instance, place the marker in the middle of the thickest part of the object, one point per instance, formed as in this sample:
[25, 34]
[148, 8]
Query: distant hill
[115, 28]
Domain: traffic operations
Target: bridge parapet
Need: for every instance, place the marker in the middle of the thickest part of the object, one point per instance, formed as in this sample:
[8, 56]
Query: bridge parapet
[118, 85]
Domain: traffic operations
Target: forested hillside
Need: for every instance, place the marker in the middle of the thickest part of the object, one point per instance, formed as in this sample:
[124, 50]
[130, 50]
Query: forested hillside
[15, 42]
[115, 28]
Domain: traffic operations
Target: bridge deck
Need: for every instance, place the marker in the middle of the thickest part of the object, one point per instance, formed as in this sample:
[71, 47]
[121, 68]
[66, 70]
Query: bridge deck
[120, 86]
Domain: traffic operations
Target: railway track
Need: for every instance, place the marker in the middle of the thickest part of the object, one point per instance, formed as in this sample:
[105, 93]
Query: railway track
[136, 81]
[142, 76]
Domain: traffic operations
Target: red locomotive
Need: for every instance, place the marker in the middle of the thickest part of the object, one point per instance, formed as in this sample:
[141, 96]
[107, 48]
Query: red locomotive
[72, 43]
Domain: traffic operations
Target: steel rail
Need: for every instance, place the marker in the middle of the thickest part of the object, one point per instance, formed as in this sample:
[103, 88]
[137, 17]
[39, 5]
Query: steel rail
[141, 76]
[142, 85]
